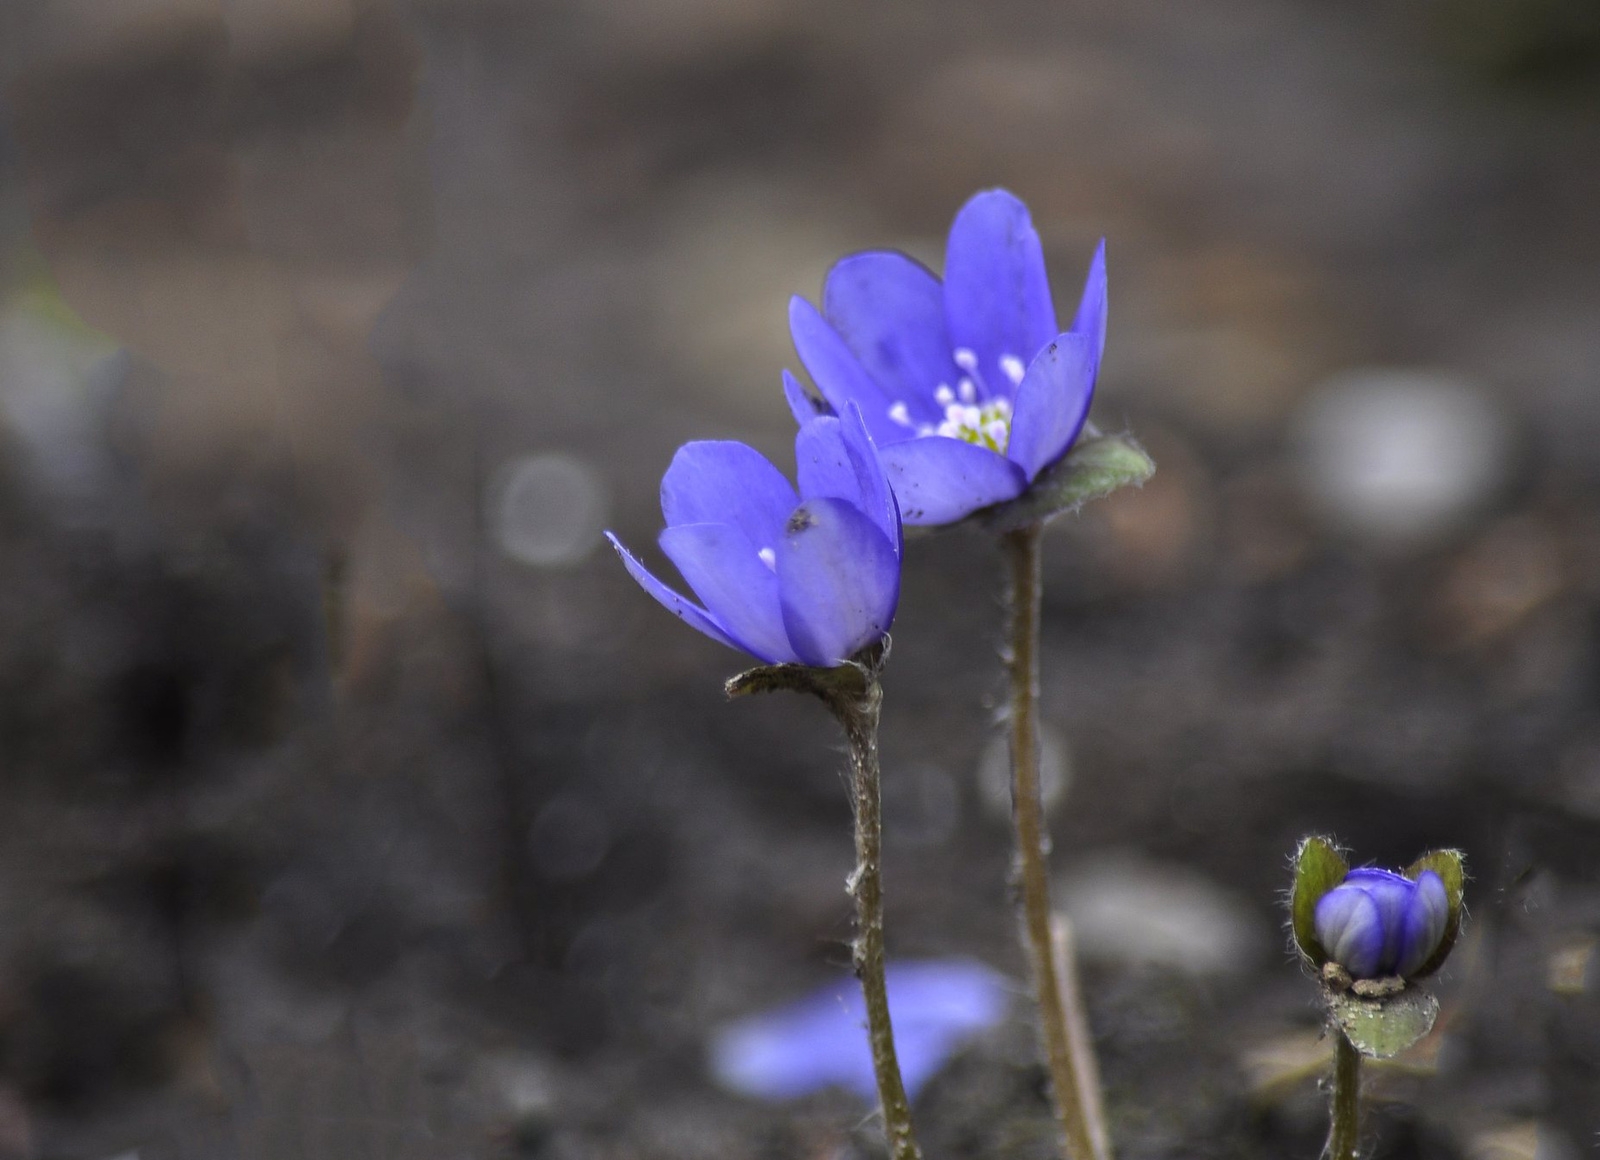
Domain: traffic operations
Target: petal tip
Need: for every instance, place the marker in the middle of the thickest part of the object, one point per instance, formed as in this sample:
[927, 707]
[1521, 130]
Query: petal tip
[995, 194]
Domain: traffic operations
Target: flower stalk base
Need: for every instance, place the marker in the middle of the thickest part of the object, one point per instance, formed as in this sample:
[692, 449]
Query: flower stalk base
[1344, 1132]
[1021, 548]
[854, 696]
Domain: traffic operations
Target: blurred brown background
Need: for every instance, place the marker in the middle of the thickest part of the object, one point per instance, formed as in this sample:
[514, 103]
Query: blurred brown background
[353, 802]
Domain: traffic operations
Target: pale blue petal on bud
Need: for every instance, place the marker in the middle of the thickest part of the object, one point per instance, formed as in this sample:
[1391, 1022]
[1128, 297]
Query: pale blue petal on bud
[1377, 923]
[1424, 924]
[1350, 927]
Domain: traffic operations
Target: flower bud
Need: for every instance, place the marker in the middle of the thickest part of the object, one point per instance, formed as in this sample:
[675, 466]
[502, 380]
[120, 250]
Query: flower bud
[1376, 923]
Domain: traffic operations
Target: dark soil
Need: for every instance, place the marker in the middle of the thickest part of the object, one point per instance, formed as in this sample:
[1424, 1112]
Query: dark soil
[327, 829]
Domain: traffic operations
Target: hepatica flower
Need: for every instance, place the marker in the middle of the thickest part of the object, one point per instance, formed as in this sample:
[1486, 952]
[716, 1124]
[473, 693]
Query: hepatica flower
[808, 577]
[968, 385]
[1377, 923]
[821, 1041]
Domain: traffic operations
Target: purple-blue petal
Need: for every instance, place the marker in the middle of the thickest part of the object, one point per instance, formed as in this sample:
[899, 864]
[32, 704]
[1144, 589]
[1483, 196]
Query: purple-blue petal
[802, 405]
[723, 482]
[877, 493]
[996, 293]
[1426, 915]
[1350, 928]
[838, 581]
[685, 610]
[1392, 894]
[939, 480]
[821, 1041]
[1052, 403]
[1090, 320]
[842, 378]
[935, 1007]
[889, 310]
[958, 994]
[836, 459]
[739, 590]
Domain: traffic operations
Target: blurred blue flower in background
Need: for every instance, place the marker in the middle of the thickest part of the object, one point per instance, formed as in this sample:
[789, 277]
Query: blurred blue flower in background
[968, 386]
[1377, 923]
[821, 1041]
[809, 578]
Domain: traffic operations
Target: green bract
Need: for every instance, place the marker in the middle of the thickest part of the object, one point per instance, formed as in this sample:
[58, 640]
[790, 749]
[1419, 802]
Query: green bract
[1383, 1028]
[1318, 868]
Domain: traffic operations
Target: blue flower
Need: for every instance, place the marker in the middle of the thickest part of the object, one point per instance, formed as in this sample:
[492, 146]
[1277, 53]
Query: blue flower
[1376, 923]
[821, 1041]
[967, 385]
[812, 577]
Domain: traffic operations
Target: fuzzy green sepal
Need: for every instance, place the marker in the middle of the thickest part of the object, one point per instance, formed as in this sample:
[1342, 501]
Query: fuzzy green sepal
[849, 680]
[1318, 868]
[1096, 466]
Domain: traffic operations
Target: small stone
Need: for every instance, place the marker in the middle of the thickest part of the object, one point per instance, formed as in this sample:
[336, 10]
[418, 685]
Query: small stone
[1400, 457]
[522, 1093]
[57, 379]
[1521, 1140]
[994, 771]
[1140, 913]
[545, 509]
[1335, 977]
[1378, 988]
[1570, 967]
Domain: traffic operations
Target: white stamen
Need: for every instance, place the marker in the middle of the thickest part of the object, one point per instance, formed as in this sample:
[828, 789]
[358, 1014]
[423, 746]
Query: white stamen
[969, 392]
[769, 558]
[943, 395]
[986, 425]
[900, 414]
[965, 359]
[1013, 368]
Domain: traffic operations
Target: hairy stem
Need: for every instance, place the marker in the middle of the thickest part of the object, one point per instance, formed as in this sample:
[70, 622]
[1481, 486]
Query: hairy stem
[1021, 549]
[1342, 1135]
[858, 715]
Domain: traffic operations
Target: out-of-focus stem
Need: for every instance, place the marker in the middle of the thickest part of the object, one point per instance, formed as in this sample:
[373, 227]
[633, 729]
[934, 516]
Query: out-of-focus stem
[1343, 1133]
[1021, 549]
[858, 715]
[1090, 1097]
